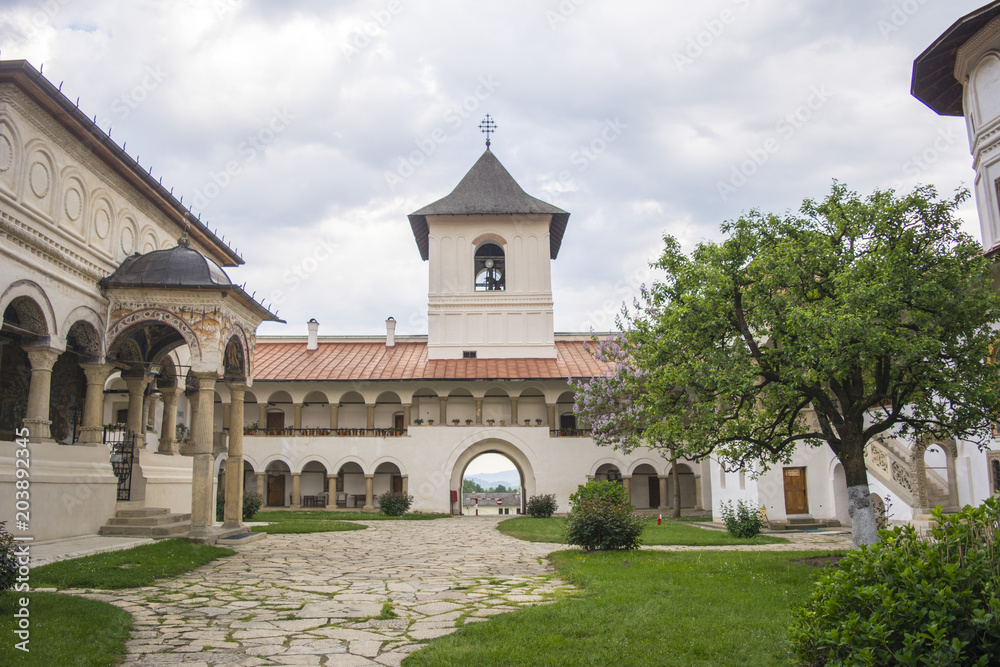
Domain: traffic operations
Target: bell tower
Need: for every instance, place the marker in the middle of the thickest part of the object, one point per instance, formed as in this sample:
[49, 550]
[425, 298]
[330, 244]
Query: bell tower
[489, 245]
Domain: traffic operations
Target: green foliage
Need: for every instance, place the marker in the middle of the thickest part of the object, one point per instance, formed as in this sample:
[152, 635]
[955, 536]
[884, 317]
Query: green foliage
[394, 503]
[128, 568]
[910, 601]
[471, 486]
[8, 561]
[745, 521]
[542, 507]
[251, 504]
[601, 518]
[848, 311]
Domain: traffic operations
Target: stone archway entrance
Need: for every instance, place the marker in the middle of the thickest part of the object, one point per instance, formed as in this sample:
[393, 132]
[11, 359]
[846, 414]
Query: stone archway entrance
[491, 446]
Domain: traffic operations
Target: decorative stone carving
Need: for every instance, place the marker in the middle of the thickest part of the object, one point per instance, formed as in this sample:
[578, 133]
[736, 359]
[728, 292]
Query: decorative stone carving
[102, 222]
[6, 153]
[73, 204]
[127, 239]
[901, 475]
[38, 179]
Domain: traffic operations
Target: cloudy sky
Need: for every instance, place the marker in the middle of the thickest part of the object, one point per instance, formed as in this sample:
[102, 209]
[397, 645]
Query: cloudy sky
[305, 132]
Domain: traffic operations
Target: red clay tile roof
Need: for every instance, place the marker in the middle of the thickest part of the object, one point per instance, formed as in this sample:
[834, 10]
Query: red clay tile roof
[408, 361]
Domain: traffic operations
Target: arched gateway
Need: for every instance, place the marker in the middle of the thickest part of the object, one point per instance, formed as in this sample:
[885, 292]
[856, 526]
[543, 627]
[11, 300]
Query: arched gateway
[491, 446]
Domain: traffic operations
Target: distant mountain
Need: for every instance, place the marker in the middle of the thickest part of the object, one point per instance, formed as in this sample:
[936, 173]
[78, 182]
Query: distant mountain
[486, 480]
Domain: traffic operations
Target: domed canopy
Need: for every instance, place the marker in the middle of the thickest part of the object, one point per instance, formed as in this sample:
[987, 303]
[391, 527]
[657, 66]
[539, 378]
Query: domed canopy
[181, 266]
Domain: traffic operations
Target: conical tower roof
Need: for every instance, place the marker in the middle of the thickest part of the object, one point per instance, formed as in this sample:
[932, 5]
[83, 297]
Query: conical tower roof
[489, 189]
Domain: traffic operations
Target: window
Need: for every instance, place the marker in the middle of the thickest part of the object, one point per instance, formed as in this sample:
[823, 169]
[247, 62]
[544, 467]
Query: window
[469, 354]
[993, 467]
[490, 269]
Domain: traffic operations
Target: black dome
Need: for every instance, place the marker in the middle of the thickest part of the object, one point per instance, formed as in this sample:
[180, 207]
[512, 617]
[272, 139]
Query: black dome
[181, 266]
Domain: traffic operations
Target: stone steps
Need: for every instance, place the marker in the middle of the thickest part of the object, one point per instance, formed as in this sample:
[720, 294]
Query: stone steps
[155, 522]
[804, 523]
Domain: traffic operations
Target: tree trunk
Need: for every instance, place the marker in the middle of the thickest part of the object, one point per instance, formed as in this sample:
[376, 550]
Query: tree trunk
[864, 529]
[677, 485]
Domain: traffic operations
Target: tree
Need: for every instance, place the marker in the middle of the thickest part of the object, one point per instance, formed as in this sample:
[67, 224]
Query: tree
[501, 488]
[857, 317]
[471, 486]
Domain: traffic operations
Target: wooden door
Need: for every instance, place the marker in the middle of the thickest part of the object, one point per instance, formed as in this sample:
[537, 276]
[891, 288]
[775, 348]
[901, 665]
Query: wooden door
[275, 421]
[276, 490]
[398, 423]
[796, 500]
[397, 483]
[654, 491]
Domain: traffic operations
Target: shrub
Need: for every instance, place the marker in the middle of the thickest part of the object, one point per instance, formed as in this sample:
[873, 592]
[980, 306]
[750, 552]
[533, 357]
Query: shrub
[251, 505]
[744, 521]
[542, 507]
[908, 600]
[393, 503]
[8, 561]
[601, 518]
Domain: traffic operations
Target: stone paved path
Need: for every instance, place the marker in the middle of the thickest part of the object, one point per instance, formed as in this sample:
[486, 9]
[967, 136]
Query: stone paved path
[314, 599]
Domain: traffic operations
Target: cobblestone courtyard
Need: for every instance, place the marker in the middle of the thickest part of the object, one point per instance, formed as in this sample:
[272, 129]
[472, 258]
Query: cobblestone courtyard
[314, 599]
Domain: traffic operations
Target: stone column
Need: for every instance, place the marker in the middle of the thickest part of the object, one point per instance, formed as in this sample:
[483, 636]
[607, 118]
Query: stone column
[226, 415]
[444, 410]
[406, 484]
[369, 487]
[331, 488]
[168, 427]
[262, 415]
[627, 483]
[92, 430]
[406, 414]
[259, 477]
[697, 492]
[663, 491]
[36, 418]
[296, 489]
[149, 410]
[479, 411]
[136, 395]
[233, 513]
[202, 502]
[334, 416]
[551, 409]
[513, 409]
[371, 416]
[297, 419]
[187, 448]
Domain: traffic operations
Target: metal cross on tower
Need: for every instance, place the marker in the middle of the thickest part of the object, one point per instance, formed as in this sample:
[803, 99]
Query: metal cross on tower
[487, 127]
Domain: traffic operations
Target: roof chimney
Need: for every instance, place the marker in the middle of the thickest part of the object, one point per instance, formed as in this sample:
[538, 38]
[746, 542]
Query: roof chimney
[313, 334]
[390, 332]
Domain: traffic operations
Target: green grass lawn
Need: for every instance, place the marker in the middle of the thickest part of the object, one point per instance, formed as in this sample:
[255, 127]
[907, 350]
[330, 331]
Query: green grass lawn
[128, 568]
[670, 533]
[65, 630]
[286, 515]
[644, 608]
[307, 526]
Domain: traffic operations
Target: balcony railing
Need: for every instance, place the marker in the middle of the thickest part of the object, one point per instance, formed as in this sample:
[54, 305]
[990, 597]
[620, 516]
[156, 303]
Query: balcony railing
[569, 433]
[327, 432]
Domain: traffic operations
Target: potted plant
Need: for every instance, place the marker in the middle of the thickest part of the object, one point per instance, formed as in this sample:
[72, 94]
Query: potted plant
[538, 422]
[503, 422]
[455, 422]
[430, 422]
[468, 422]
[527, 422]
[250, 429]
[418, 421]
[490, 422]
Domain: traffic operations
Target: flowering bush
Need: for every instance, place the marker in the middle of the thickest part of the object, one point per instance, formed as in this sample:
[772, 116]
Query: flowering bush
[744, 521]
[542, 507]
[601, 518]
[908, 600]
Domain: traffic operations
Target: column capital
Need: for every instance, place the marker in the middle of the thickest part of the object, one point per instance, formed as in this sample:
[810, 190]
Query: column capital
[42, 358]
[97, 373]
[367, 476]
[237, 386]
